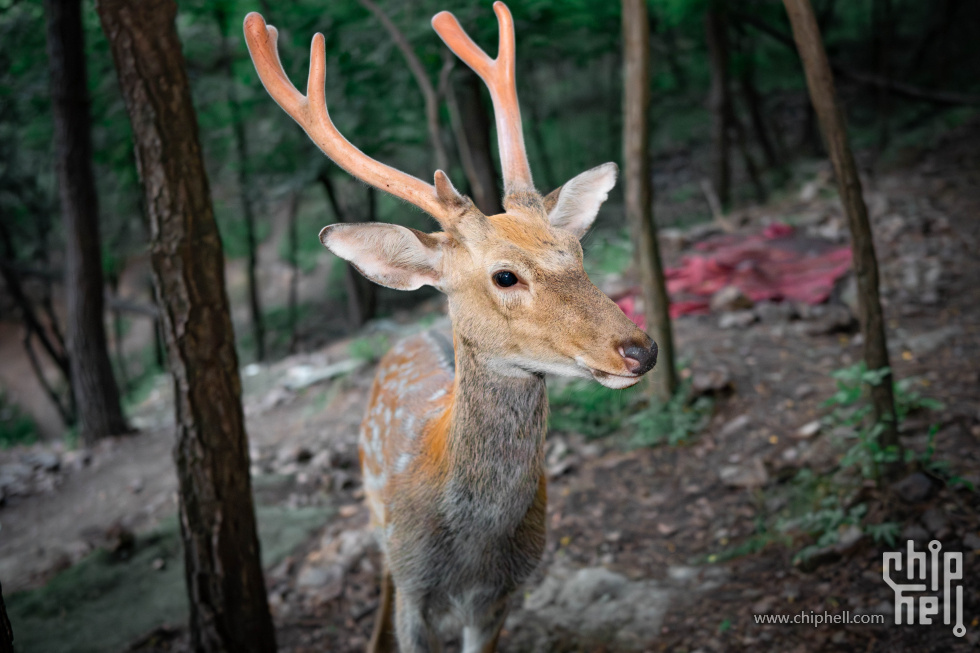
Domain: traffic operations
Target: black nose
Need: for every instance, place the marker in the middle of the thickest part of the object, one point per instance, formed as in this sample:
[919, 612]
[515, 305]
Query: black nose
[640, 360]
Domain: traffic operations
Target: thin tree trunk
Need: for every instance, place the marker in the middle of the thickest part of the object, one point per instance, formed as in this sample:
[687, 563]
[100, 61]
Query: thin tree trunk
[638, 189]
[881, 41]
[471, 125]
[117, 334]
[751, 168]
[899, 89]
[33, 327]
[549, 180]
[820, 82]
[292, 242]
[361, 293]
[421, 78]
[246, 189]
[229, 608]
[6, 631]
[754, 104]
[719, 99]
[96, 393]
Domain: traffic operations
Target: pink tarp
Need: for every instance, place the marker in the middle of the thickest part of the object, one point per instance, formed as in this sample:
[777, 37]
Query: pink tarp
[777, 264]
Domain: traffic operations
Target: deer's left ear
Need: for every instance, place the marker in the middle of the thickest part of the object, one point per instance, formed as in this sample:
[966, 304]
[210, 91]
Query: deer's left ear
[575, 205]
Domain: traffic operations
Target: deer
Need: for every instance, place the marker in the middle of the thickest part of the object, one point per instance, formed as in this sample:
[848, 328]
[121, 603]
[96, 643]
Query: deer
[452, 444]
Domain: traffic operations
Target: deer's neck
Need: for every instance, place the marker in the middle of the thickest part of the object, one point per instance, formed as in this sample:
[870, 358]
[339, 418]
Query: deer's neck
[496, 435]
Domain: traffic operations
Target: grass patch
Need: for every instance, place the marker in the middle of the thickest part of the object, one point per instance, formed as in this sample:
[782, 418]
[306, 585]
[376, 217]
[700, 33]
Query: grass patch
[104, 602]
[596, 411]
[16, 427]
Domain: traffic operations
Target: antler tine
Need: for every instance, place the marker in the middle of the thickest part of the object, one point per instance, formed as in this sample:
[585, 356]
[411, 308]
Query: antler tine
[310, 112]
[499, 76]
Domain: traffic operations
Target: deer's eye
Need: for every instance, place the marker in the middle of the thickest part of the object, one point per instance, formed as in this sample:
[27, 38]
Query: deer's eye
[505, 279]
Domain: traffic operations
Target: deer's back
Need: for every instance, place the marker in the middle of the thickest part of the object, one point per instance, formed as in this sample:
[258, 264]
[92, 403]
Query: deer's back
[411, 391]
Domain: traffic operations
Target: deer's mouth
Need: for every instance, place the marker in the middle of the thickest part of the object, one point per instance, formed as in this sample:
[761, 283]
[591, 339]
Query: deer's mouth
[615, 381]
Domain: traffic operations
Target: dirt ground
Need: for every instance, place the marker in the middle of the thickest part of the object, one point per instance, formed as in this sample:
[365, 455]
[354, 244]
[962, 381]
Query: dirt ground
[664, 548]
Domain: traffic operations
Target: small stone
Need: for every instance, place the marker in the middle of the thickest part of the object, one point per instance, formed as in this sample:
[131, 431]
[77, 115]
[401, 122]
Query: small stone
[849, 539]
[735, 426]
[775, 312]
[158, 564]
[713, 381]
[916, 533]
[971, 541]
[808, 430]
[803, 391]
[936, 522]
[322, 460]
[682, 573]
[666, 529]
[44, 460]
[914, 487]
[729, 299]
[736, 320]
[751, 474]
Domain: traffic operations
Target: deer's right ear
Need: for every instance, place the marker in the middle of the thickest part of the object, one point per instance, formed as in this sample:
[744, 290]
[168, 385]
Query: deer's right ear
[388, 254]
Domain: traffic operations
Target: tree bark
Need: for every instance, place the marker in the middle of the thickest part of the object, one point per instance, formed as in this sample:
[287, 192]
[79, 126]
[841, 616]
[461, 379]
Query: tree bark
[362, 295]
[471, 122]
[6, 632]
[421, 78]
[719, 99]
[229, 608]
[246, 189]
[754, 104]
[638, 189]
[820, 82]
[292, 242]
[99, 411]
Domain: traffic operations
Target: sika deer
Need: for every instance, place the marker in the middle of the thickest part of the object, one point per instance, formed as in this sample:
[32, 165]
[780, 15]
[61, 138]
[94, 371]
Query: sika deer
[452, 444]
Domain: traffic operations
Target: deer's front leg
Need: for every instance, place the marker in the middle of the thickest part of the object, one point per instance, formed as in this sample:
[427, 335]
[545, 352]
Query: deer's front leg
[482, 636]
[415, 633]
[383, 637]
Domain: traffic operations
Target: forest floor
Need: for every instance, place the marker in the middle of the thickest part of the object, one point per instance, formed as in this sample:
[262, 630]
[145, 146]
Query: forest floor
[671, 547]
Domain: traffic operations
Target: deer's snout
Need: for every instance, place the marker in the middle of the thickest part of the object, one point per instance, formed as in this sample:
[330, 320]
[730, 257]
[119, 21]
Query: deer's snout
[639, 357]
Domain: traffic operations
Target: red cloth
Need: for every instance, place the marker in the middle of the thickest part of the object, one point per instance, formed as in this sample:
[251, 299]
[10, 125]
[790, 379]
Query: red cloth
[775, 265]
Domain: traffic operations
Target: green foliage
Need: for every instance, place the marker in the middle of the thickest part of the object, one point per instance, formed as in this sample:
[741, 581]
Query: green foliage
[588, 408]
[852, 411]
[595, 411]
[15, 427]
[369, 348]
[673, 422]
[821, 508]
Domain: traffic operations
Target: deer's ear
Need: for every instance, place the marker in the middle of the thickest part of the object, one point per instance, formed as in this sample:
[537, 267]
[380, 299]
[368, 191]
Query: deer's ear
[387, 254]
[575, 205]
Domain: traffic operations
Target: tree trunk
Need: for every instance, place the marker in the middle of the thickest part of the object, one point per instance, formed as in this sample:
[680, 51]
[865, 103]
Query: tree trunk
[421, 78]
[881, 41]
[33, 326]
[719, 99]
[96, 394]
[362, 295]
[754, 104]
[6, 632]
[820, 82]
[292, 242]
[471, 126]
[638, 189]
[229, 608]
[246, 189]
